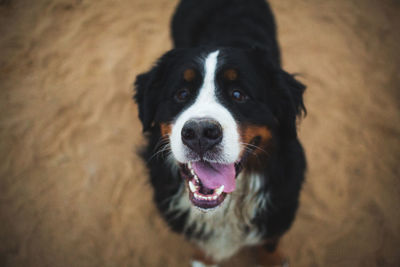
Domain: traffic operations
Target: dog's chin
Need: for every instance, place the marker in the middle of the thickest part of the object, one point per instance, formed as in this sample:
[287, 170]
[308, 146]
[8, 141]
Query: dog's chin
[202, 197]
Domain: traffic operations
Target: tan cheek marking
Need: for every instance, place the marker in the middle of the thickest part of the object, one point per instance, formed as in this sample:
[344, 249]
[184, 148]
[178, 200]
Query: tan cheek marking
[248, 132]
[166, 129]
[189, 75]
[251, 131]
[230, 74]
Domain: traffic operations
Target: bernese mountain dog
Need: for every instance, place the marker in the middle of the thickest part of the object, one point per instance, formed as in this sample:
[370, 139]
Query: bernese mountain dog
[219, 113]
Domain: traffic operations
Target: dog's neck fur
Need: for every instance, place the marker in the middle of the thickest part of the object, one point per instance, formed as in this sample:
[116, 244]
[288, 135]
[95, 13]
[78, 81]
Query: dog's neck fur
[222, 232]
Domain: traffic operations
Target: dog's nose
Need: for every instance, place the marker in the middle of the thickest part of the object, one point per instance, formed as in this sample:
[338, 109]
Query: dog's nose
[201, 135]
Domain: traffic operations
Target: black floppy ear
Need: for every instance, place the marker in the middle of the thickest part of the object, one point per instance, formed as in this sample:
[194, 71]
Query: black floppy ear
[292, 105]
[149, 87]
[146, 85]
[287, 92]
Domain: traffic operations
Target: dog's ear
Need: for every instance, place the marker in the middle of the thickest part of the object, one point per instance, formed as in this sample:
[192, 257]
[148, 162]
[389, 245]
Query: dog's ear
[286, 92]
[145, 93]
[291, 104]
[148, 90]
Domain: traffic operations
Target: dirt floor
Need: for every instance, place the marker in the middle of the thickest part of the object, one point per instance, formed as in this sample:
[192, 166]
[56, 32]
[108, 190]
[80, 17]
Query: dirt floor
[74, 193]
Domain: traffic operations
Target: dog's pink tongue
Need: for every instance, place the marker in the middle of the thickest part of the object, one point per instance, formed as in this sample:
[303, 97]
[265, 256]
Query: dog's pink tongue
[213, 175]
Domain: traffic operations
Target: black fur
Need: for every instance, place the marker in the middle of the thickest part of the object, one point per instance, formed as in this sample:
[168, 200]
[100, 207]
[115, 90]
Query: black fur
[244, 31]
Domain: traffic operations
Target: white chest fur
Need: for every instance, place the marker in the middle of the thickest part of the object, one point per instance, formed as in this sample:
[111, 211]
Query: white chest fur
[228, 228]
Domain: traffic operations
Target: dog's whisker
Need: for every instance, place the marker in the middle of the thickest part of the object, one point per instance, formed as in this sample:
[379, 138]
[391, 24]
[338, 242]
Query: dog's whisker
[249, 146]
[166, 147]
[163, 139]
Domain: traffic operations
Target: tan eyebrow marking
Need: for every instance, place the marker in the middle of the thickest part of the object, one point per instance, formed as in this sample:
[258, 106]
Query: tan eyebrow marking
[189, 75]
[230, 74]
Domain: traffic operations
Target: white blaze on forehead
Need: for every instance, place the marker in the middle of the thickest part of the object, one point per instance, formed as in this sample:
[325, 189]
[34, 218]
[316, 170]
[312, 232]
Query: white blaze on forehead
[207, 105]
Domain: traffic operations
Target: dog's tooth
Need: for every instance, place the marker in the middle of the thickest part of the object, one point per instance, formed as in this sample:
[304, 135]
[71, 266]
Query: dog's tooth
[192, 187]
[196, 178]
[190, 165]
[196, 195]
[192, 172]
[219, 190]
[214, 197]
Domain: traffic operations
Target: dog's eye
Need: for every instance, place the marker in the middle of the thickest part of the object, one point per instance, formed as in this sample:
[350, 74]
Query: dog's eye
[238, 96]
[182, 95]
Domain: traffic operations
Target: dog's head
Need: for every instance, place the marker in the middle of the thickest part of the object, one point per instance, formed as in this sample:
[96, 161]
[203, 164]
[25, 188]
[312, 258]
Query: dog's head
[216, 108]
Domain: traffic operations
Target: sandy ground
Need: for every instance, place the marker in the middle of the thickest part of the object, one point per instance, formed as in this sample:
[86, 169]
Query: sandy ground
[72, 190]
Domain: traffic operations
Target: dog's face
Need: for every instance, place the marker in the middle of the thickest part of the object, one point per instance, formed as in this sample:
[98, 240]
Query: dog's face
[216, 109]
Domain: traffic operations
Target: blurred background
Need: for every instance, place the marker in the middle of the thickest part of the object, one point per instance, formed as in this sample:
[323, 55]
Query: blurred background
[74, 193]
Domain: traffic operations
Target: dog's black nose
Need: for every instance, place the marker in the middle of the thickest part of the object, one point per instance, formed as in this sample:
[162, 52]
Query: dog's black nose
[201, 135]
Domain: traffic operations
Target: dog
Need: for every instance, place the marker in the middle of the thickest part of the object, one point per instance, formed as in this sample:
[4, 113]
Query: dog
[219, 114]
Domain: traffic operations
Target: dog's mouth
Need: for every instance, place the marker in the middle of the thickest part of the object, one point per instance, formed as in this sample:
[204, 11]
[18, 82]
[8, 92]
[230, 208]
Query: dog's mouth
[209, 183]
